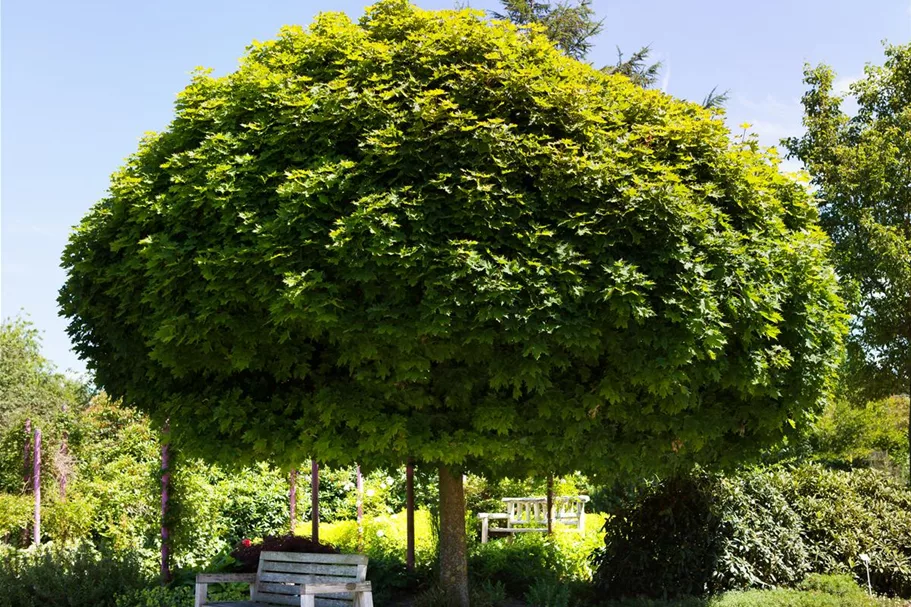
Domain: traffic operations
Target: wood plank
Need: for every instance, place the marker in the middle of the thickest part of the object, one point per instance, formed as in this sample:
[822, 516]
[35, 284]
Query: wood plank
[517, 529]
[336, 590]
[310, 569]
[303, 578]
[310, 557]
[286, 599]
[225, 578]
[333, 588]
[277, 599]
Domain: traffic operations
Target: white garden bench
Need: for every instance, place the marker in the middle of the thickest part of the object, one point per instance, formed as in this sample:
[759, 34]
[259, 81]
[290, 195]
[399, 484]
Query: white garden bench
[297, 578]
[529, 514]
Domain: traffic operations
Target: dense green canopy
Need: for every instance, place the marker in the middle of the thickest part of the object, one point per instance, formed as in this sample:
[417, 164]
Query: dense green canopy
[425, 234]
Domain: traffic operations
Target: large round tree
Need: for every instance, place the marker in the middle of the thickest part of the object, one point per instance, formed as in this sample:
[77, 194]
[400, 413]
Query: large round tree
[427, 235]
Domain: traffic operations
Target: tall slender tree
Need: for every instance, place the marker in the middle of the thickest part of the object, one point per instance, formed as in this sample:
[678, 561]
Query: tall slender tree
[861, 169]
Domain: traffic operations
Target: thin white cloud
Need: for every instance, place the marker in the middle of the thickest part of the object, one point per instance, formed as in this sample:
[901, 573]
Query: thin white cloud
[666, 80]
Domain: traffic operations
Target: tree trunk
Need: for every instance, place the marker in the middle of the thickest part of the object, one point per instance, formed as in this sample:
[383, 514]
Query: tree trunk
[409, 516]
[292, 499]
[550, 504]
[36, 485]
[453, 544]
[314, 501]
[165, 567]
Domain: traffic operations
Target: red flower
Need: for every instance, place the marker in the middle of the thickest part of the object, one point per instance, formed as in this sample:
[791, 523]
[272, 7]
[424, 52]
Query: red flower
[245, 543]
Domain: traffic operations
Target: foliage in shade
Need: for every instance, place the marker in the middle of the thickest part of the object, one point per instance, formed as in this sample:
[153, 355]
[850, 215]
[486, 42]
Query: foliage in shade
[758, 529]
[247, 553]
[424, 234]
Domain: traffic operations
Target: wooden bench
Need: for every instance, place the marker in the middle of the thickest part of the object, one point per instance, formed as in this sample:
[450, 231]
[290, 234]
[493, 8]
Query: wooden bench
[297, 578]
[529, 514]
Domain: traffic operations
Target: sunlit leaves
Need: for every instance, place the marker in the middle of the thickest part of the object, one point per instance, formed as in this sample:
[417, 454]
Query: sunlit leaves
[427, 235]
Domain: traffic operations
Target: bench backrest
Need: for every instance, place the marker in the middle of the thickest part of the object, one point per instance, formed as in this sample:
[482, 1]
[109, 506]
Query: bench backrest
[568, 510]
[281, 573]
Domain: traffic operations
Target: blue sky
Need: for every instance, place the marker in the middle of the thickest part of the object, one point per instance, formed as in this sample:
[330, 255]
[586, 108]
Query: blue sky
[81, 82]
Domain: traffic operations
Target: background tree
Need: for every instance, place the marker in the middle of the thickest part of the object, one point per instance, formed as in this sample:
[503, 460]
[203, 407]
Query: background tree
[423, 235]
[571, 27]
[861, 167]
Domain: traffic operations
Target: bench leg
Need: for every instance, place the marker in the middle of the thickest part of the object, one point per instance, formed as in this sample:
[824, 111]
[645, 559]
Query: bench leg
[363, 599]
[202, 595]
[308, 600]
[484, 526]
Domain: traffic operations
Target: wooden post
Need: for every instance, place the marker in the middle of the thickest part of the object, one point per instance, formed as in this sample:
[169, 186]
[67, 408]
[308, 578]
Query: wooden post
[292, 499]
[409, 515]
[550, 504]
[314, 500]
[36, 485]
[165, 565]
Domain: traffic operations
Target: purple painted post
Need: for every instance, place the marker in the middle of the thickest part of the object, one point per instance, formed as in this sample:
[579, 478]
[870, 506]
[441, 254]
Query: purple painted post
[359, 483]
[27, 455]
[63, 451]
[36, 485]
[314, 500]
[292, 499]
[409, 515]
[165, 486]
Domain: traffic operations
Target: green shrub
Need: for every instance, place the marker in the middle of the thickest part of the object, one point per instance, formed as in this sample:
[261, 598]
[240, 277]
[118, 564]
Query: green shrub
[80, 576]
[485, 594]
[850, 435]
[846, 514]
[157, 596]
[15, 514]
[836, 584]
[664, 544]
[180, 595]
[762, 528]
[518, 563]
[547, 593]
[790, 598]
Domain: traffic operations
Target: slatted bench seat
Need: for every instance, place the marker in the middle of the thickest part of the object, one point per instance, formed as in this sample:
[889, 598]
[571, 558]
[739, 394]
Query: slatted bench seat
[297, 578]
[529, 515]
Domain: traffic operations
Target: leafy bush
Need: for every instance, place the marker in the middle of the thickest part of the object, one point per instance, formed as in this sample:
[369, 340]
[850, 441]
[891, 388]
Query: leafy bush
[247, 556]
[873, 434]
[546, 593]
[180, 595]
[835, 584]
[383, 541]
[815, 591]
[758, 529]
[15, 514]
[518, 563]
[485, 594]
[157, 596]
[664, 544]
[846, 514]
[79, 576]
